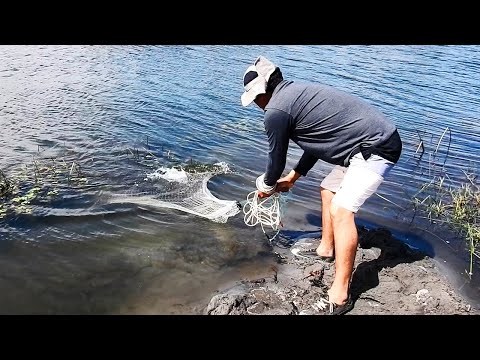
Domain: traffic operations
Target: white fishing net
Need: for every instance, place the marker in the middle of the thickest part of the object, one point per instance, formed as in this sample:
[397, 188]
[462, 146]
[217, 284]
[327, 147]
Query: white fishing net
[185, 189]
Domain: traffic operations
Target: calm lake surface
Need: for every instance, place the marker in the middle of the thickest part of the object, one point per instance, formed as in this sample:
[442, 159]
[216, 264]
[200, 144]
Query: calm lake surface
[82, 125]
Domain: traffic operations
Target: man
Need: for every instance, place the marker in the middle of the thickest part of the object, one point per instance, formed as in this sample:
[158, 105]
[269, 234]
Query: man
[335, 127]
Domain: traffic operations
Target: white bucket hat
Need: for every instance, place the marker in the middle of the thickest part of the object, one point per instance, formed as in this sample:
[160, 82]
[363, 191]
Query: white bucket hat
[255, 79]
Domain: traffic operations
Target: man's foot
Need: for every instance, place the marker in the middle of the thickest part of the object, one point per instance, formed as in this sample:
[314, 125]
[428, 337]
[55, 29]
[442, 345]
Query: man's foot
[312, 255]
[331, 308]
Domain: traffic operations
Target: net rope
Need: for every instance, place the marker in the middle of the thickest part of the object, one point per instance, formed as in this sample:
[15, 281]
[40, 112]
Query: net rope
[267, 212]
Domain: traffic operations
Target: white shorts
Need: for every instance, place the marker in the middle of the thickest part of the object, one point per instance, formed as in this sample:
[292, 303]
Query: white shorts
[353, 185]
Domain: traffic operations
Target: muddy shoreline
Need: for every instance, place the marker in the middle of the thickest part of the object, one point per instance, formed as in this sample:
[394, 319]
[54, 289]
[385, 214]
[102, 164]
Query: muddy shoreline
[390, 278]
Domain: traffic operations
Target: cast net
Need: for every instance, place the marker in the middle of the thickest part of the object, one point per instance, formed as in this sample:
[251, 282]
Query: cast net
[183, 188]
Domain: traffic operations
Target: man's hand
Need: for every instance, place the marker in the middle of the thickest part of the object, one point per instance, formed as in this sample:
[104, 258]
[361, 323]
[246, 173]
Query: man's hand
[262, 195]
[286, 183]
[283, 184]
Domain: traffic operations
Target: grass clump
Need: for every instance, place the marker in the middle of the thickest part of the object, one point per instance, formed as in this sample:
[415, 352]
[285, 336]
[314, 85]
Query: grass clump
[453, 203]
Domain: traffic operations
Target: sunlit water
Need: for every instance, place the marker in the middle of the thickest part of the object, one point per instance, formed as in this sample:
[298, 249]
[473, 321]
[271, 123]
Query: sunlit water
[100, 120]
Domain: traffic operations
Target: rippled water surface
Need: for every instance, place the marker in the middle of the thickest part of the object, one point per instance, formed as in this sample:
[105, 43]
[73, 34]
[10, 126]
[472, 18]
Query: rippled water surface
[82, 125]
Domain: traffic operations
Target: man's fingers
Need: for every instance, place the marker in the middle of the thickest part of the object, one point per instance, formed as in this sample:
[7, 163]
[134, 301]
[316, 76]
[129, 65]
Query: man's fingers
[262, 195]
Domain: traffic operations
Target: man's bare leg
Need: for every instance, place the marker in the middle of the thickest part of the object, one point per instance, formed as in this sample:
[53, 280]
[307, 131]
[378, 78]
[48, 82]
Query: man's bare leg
[346, 240]
[327, 245]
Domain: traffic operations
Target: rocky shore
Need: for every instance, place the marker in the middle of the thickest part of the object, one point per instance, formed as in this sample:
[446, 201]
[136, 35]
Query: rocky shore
[390, 278]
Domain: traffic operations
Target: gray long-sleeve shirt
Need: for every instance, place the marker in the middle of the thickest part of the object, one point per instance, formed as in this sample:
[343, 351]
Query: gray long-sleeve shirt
[328, 124]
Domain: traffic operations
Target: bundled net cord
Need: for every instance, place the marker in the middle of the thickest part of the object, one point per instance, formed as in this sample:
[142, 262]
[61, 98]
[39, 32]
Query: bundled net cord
[264, 211]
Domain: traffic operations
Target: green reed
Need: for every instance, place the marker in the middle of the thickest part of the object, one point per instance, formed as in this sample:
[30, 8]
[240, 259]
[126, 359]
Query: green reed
[443, 201]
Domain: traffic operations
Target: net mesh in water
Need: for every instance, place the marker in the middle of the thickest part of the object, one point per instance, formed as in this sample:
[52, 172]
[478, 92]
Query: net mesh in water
[185, 191]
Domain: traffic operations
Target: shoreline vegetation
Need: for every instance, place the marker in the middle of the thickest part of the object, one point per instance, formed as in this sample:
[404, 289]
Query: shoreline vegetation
[448, 203]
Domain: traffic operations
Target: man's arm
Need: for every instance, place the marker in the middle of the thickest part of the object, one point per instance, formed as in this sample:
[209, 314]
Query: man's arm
[277, 126]
[305, 163]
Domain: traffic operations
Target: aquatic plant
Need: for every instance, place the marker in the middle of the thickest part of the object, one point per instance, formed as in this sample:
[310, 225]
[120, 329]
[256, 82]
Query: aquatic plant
[38, 181]
[452, 203]
[459, 208]
[47, 177]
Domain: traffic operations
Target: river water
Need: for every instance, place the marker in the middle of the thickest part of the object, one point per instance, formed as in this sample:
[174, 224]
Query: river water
[82, 126]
